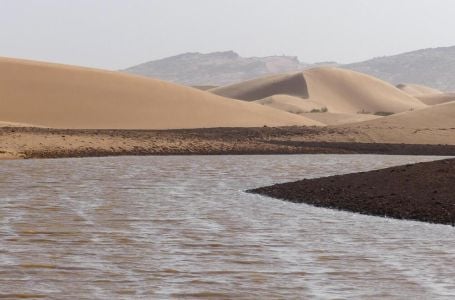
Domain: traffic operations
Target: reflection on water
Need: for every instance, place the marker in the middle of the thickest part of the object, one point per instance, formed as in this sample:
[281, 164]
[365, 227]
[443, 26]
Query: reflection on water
[182, 227]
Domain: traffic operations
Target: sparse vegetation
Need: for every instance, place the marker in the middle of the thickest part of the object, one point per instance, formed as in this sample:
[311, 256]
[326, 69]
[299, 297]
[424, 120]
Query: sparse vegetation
[319, 110]
[383, 113]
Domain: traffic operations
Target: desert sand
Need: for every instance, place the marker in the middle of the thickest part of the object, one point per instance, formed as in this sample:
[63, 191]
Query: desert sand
[290, 104]
[312, 110]
[329, 118]
[433, 99]
[427, 95]
[61, 96]
[64, 99]
[339, 90]
[432, 125]
[417, 89]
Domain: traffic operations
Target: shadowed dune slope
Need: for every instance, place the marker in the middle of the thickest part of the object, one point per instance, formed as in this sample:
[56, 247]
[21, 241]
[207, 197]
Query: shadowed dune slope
[255, 89]
[62, 96]
[340, 90]
[417, 89]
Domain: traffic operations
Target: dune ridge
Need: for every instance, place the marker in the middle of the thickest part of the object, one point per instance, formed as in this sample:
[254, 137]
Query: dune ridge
[340, 90]
[417, 89]
[433, 99]
[61, 96]
[255, 89]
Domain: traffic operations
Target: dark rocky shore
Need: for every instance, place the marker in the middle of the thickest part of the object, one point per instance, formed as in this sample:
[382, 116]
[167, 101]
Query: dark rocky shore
[422, 192]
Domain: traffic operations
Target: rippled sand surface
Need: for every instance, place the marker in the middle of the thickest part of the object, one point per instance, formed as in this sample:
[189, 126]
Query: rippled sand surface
[182, 227]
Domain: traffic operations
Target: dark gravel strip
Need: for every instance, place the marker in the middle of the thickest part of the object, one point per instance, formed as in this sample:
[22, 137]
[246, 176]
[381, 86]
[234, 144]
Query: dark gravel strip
[423, 192]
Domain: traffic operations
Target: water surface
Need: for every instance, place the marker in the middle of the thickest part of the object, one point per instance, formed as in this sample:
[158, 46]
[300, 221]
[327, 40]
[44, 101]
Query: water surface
[182, 227]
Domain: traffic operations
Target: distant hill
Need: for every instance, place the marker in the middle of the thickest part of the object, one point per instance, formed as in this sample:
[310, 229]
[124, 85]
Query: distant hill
[218, 68]
[434, 67]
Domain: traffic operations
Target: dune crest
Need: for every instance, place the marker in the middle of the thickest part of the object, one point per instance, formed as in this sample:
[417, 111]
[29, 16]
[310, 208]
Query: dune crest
[433, 99]
[417, 89]
[256, 89]
[339, 90]
[61, 96]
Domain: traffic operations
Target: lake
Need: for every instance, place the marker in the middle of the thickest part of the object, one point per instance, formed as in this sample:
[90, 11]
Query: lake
[183, 227]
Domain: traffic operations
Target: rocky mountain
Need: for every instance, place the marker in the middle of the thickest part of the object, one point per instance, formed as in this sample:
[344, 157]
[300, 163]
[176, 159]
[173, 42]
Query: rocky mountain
[218, 68]
[434, 67]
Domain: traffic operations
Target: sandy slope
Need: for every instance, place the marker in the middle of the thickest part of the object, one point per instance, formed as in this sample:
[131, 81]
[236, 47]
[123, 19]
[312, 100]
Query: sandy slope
[340, 90]
[62, 96]
[290, 104]
[329, 118]
[263, 87]
[417, 89]
[306, 108]
[432, 99]
[432, 125]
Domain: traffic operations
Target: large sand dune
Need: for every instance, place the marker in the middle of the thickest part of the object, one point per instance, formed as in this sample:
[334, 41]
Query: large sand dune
[61, 96]
[417, 89]
[255, 89]
[340, 90]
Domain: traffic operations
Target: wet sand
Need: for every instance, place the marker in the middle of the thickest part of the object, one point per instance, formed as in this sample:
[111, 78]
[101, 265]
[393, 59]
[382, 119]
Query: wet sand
[32, 142]
[423, 192]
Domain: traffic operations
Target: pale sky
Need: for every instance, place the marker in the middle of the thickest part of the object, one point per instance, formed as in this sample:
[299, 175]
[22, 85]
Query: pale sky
[115, 34]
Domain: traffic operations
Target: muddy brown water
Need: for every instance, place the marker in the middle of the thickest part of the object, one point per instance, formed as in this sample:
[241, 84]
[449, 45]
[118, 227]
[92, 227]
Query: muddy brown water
[183, 227]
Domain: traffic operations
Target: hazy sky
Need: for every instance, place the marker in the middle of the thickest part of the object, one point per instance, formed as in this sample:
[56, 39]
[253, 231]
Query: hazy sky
[119, 33]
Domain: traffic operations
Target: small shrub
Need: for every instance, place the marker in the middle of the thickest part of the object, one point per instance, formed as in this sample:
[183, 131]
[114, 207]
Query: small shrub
[321, 110]
[383, 113]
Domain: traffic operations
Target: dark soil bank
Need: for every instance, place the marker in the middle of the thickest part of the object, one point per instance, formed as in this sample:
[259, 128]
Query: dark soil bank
[423, 192]
[58, 143]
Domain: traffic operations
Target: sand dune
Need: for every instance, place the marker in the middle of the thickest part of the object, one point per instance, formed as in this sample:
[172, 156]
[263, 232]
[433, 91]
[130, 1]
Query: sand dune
[312, 110]
[437, 116]
[427, 95]
[255, 89]
[432, 125]
[290, 104]
[62, 96]
[433, 99]
[340, 90]
[417, 89]
[344, 91]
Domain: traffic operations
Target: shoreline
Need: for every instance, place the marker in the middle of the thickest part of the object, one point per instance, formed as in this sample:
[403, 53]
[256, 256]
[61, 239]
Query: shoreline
[33, 142]
[418, 192]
